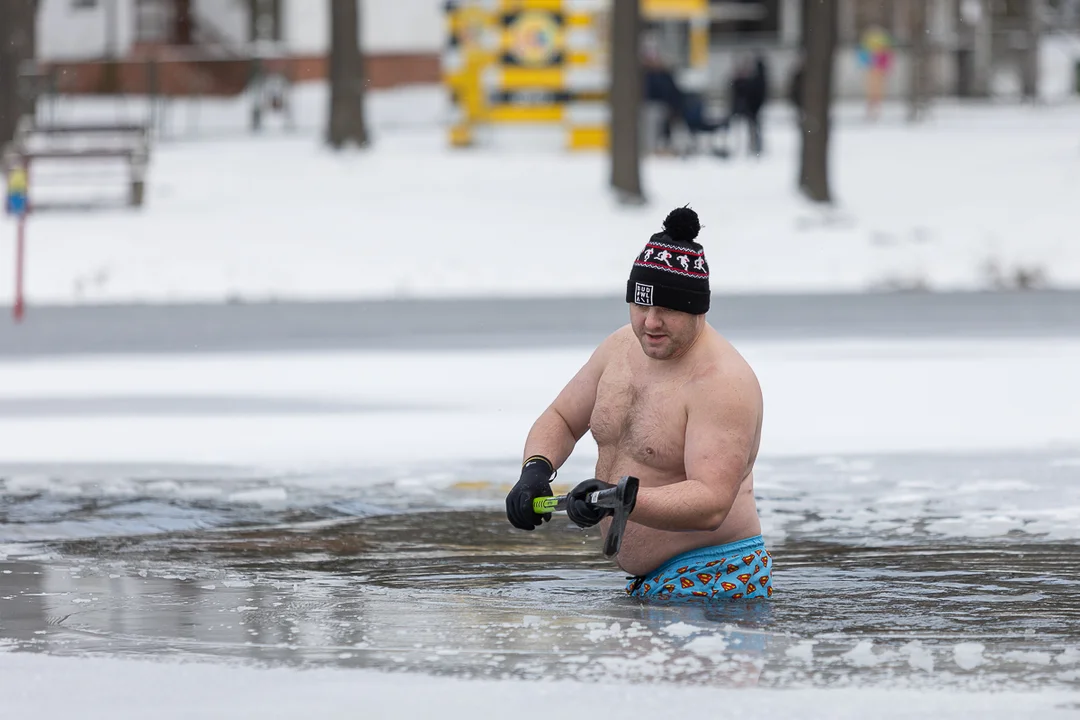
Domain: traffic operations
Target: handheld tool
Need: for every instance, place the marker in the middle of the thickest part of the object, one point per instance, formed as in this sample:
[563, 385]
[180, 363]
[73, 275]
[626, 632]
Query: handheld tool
[620, 498]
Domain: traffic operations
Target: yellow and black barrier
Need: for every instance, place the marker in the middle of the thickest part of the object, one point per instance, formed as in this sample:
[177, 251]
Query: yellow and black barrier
[543, 62]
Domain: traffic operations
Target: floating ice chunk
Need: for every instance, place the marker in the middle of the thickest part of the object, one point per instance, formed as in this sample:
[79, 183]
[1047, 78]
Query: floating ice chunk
[530, 621]
[1071, 656]
[681, 629]
[602, 633]
[918, 657]
[968, 655]
[1028, 657]
[804, 651]
[710, 646]
[863, 655]
[261, 496]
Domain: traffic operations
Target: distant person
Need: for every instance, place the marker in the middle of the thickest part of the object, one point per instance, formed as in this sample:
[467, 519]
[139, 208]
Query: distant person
[662, 87]
[875, 54]
[749, 93]
[757, 95]
[669, 401]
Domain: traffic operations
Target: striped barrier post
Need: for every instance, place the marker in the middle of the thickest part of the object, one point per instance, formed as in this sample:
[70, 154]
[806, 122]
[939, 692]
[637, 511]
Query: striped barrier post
[17, 205]
[543, 63]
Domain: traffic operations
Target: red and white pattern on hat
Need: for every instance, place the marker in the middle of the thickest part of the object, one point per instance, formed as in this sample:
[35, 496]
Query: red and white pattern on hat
[677, 259]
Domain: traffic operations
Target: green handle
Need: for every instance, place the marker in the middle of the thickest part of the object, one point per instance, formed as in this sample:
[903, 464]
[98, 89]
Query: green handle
[621, 499]
[543, 505]
[602, 498]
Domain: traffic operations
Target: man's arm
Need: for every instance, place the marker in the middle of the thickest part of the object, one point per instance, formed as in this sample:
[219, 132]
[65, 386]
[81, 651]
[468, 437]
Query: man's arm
[722, 427]
[566, 420]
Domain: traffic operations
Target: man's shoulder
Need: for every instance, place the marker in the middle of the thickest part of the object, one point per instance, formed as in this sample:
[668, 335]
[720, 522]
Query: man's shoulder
[618, 339]
[611, 346]
[722, 370]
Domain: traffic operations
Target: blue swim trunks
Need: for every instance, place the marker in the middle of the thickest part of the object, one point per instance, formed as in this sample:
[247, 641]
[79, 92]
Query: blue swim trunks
[736, 571]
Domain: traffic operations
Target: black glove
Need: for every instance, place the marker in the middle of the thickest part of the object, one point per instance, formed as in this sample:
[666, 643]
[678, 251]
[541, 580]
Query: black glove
[535, 482]
[581, 511]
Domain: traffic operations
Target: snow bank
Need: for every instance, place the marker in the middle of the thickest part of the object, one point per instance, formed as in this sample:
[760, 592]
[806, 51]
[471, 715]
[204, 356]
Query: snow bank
[371, 408]
[109, 689]
[972, 198]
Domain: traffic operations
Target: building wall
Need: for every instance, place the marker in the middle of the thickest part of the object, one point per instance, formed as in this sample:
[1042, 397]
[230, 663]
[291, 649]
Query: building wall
[404, 39]
[402, 26]
[75, 30]
[228, 17]
[68, 31]
[386, 26]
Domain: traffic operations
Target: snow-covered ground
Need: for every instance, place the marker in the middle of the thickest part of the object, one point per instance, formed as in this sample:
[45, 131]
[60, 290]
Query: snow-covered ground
[378, 408]
[971, 198]
[115, 690]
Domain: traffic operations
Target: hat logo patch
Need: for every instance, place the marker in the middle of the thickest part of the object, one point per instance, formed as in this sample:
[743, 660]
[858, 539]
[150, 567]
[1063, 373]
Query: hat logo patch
[643, 294]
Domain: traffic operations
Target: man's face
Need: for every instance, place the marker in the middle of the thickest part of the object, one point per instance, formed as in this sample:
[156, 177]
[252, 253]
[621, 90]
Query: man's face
[664, 333]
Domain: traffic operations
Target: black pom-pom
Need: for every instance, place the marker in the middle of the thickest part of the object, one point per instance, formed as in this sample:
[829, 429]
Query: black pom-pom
[682, 225]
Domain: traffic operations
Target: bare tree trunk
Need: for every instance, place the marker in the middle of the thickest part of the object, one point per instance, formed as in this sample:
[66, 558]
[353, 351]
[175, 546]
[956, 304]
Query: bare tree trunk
[625, 101]
[17, 28]
[819, 48]
[1030, 70]
[346, 76]
[982, 59]
[918, 79]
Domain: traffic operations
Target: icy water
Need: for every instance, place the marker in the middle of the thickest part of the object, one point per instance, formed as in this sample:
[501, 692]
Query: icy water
[913, 571]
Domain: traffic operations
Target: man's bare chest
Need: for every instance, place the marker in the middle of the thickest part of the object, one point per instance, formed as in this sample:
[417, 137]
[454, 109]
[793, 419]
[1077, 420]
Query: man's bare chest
[642, 417]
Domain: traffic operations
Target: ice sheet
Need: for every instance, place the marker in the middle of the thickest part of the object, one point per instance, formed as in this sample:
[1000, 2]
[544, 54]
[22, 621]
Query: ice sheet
[61, 688]
[375, 409]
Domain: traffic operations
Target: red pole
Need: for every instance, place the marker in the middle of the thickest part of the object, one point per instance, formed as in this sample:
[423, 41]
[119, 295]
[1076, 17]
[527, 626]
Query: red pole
[20, 252]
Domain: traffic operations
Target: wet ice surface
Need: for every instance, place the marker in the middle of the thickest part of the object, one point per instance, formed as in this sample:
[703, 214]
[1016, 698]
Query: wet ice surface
[913, 571]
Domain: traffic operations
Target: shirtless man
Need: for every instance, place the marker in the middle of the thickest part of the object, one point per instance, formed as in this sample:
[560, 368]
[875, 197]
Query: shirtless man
[671, 402]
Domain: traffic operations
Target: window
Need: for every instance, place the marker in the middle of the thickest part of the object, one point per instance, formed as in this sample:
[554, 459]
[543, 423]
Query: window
[749, 20]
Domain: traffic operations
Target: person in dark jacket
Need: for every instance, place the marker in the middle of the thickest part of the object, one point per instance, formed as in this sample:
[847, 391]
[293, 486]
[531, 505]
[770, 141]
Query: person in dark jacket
[749, 93]
[662, 87]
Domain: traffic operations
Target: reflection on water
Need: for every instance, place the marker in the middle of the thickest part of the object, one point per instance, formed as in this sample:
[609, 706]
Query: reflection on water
[457, 591]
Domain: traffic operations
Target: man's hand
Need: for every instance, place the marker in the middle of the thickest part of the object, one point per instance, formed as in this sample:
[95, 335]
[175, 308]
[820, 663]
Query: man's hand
[578, 508]
[535, 482]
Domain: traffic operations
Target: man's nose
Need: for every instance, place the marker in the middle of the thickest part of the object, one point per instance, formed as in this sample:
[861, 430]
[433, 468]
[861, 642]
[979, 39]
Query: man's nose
[652, 319]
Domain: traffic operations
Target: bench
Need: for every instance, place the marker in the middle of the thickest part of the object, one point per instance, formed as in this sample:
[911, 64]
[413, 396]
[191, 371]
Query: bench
[83, 141]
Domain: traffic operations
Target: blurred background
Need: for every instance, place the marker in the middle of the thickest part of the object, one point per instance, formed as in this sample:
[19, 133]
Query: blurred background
[829, 146]
[290, 280]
